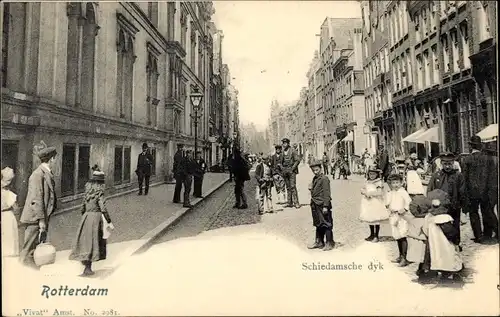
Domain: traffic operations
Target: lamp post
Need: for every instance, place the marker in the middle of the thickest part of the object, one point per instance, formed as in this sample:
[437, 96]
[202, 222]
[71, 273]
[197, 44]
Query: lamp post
[196, 96]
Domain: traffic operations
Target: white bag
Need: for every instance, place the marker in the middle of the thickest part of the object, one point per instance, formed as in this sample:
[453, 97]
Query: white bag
[106, 228]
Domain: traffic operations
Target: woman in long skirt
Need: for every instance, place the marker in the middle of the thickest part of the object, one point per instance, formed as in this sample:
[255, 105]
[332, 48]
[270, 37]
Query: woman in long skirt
[10, 233]
[90, 242]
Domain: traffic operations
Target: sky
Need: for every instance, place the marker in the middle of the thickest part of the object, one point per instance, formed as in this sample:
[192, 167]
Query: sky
[269, 46]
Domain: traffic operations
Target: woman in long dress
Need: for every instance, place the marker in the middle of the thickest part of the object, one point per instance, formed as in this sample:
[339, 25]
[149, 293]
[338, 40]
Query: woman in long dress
[372, 203]
[10, 233]
[90, 242]
[413, 181]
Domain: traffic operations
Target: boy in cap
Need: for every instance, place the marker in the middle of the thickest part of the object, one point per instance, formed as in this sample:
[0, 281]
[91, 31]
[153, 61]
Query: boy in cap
[279, 182]
[144, 167]
[40, 203]
[321, 208]
[264, 177]
[451, 181]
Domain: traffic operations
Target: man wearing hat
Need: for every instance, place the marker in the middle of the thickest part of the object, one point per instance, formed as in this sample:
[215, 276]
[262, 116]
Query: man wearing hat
[481, 189]
[383, 162]
[290, 163]
[180, 174]
[40, 204]
[279, 182]
[451, 181]
[321, 208]
[144, 167]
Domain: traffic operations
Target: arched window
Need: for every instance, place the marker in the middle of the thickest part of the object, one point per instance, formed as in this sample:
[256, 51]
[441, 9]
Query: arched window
[125, 67]
[80, 71]
[152, 85]
[13, 43]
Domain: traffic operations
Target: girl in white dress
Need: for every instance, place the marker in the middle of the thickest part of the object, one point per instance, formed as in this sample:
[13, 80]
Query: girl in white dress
[10, 235]
[372, 205]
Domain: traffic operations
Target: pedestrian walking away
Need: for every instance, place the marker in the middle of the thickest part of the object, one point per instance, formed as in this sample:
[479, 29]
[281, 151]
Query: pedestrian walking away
[40, 204]
[189, 167]
[321, 209]
[144, 167]
[451, 181]
[199, 172]
[10, 233]
[383, 163]
[277, 170]
[325, 163]
[90, 242]
[264, 177]
[481, 190]
[241, 173]
[290, 163]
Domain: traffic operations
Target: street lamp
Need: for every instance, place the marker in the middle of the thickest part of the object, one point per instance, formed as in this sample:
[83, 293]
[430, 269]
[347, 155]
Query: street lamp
[196, 97]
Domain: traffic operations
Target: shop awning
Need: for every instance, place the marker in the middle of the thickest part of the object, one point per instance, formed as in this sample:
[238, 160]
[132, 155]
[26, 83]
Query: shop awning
[489, 134]
[414, 136]
[349, 137]
[429, 135]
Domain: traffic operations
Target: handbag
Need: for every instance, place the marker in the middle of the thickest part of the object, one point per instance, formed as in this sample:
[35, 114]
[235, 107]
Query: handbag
[44, 253]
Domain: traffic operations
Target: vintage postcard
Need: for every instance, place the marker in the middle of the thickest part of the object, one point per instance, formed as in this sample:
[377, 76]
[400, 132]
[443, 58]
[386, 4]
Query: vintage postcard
[258, 158]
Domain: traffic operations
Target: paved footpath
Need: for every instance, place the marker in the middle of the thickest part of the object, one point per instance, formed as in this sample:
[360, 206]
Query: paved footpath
[138, 220]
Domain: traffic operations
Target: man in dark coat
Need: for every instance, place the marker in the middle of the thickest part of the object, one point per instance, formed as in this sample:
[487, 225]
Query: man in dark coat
[279, 182]
[321, 209]
[325, 163]
[383, 162]
[40, 204]
[199, 172]
[290, 163]
[180, 172]
[451, 181]
[144, 167]
[240, 170]
[481, 189]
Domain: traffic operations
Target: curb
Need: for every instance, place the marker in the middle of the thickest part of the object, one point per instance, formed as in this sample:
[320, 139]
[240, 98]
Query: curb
[148, 239]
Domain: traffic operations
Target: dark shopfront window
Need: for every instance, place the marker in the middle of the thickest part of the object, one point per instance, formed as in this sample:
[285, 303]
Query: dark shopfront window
[122, 165]
[153, 165]
[75, 168]
[10, 151]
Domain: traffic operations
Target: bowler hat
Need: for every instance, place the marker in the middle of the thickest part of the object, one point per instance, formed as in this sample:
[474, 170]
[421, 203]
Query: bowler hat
[475, 139]
[315, 163]
[395, 177]
[180, 145]
[285, 140]
[447, 156]
[144, 145]
[98, 176]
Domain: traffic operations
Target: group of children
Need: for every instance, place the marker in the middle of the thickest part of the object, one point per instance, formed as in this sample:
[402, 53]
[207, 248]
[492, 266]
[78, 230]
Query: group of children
[424, 226]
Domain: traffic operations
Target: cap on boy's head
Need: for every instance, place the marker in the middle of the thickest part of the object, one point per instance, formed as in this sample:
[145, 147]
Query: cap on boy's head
[277, 147]
[144, 146]
[447, 156]
[180, 146]
[315, 163]
[475, 140]
[285, 140]
[395, 177]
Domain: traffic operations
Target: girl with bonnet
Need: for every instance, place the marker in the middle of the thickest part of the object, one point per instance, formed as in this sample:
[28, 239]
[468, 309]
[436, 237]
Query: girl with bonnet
[372, 204]
[90, 242]
[10, 235]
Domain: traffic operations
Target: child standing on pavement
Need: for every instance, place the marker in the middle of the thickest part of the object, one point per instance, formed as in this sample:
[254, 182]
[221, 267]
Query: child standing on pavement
[398, 203]
[372, 205]
[264, 176]
[321, 208]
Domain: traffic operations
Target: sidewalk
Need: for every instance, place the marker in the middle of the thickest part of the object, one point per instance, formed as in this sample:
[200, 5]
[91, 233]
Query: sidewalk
[137, 220]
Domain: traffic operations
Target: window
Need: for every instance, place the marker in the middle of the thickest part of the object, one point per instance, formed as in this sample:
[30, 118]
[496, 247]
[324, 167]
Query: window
[171, 20]
[13, 42]
[75, 168]
[125, 67]
[382, 22]
[152, 85]
[122, 165]
[200, 58]
[435, 68]
[483, 23]
[409, 75]
[404, 75]
[454, 51]
[417, 28]
[427, 69]
[443, 9]
[464, 37]
[81, 55]
[193, 48]
[433, 17]
[425, 30]
[183, 29]
[446, 56]
[419, 72]
[153, 13]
